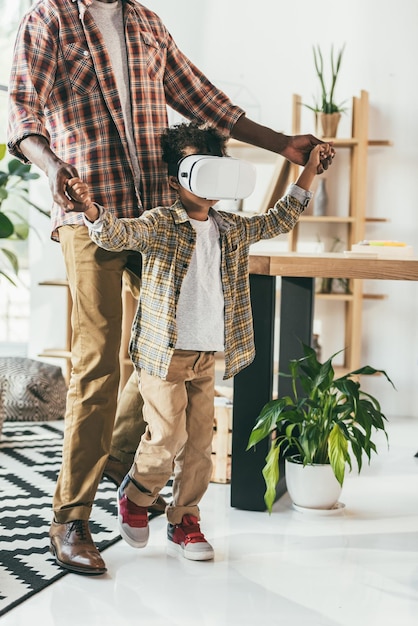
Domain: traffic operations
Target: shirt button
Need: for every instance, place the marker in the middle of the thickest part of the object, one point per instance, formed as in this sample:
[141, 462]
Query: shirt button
[86, 53]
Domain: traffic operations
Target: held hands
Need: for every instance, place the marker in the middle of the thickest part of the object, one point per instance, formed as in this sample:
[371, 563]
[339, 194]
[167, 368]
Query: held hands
[321, 153]
[300, 147]
[79, 193]
[58, 174]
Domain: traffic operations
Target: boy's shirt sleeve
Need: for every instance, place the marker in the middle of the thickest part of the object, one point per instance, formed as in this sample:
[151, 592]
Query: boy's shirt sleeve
[117, 234]
[302, 195]
[98, 224]
[281, 218]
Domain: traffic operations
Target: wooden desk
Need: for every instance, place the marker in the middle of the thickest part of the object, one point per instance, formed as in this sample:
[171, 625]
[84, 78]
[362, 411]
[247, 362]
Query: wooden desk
[253, 387]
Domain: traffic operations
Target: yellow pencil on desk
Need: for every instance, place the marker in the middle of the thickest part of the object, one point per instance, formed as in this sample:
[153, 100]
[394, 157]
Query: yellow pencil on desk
[377, 242]
[382, 248]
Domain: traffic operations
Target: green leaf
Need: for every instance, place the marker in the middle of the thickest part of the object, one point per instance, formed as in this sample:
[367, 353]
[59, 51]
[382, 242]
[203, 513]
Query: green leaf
[357, 451]
[22, 231]
[17, 168]
[8, 277]
[338, 452]
[367, 370]
[266, 421]
[6, 226]
[12, 258]
[26, 199]
[271, 474]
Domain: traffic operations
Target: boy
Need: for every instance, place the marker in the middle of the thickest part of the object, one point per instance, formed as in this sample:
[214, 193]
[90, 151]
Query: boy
[194, 301]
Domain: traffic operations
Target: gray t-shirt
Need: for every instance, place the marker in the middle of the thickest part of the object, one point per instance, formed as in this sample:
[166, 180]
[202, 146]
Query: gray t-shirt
[109, 20]
[200, 309]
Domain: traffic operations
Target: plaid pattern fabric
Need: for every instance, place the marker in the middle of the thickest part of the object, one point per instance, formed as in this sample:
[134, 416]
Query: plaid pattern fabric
[166, 239]
[62, 87]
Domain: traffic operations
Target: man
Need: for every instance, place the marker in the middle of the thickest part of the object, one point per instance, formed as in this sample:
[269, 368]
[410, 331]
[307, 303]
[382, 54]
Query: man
[89, 87]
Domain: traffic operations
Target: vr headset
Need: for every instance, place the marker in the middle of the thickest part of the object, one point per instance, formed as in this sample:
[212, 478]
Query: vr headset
[216, 178]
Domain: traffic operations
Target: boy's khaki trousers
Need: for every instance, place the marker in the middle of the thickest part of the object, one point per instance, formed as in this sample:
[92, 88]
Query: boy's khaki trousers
[179, 413]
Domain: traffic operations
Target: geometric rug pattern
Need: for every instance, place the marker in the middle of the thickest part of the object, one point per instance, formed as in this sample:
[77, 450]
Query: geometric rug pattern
[30, 458]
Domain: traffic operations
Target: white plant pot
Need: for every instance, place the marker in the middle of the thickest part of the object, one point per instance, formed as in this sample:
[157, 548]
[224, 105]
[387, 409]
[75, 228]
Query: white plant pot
[312, 486]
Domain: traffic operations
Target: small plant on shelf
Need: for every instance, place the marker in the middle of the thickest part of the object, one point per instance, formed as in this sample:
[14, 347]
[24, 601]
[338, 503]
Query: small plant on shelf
[327, 103]
[327, 111]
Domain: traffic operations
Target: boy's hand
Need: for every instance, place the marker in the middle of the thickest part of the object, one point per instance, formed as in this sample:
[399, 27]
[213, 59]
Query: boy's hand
[79, 193]
[320, 154]
[323, 152]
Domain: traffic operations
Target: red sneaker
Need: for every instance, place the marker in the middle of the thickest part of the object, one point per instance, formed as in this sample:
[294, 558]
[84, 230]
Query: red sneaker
[132, 521]
[187, 539]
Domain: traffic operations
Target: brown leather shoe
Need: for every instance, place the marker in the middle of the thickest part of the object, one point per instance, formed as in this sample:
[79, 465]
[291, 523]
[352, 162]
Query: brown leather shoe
[116, 471]
[73, 548]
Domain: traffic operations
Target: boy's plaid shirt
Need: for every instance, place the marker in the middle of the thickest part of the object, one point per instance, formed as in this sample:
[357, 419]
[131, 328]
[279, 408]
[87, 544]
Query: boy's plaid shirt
[166, 239]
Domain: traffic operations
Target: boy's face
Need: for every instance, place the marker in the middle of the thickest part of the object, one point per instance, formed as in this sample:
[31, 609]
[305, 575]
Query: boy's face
[189, 200]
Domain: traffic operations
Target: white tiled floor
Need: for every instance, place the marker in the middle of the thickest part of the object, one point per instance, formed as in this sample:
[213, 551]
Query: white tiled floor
[357, 568]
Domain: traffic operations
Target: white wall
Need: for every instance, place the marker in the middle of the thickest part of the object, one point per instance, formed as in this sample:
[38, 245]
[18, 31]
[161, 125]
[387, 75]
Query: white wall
[260, 53]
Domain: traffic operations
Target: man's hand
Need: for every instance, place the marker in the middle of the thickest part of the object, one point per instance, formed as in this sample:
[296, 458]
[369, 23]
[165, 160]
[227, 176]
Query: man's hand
[37, 150]
[58, 176]
[299, 148]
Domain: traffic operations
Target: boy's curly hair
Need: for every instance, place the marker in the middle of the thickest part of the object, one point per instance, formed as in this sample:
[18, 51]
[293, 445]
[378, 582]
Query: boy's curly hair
[204, 139]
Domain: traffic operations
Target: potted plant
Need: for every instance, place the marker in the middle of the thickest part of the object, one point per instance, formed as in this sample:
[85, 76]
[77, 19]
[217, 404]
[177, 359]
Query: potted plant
[327, 112]
[327, 421]
[13, 225]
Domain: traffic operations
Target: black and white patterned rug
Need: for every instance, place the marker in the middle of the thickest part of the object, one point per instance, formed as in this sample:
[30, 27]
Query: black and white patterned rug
[30, 458]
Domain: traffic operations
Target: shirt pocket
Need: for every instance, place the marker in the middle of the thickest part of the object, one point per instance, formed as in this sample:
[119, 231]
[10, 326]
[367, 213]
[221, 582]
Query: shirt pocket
[232, 254]
[155, 56]
[80, 68]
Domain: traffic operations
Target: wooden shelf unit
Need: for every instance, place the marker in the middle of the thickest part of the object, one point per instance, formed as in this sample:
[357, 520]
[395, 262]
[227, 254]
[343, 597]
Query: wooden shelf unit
[355, 220]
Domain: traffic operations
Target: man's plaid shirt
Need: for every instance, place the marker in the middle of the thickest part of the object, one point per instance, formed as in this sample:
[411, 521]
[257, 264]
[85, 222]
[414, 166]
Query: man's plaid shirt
[166, 239]
[63, 88]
